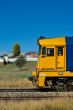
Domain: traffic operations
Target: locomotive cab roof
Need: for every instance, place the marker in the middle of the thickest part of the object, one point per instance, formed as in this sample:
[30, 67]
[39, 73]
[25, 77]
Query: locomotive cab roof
[60, 41]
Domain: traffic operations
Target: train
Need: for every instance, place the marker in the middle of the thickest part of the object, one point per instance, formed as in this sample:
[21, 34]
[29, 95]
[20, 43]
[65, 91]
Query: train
[54, 67]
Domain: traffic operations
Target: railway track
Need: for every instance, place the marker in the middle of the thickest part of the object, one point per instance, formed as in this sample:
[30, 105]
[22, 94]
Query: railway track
[32, 94]
[30, 98]
[21, 90]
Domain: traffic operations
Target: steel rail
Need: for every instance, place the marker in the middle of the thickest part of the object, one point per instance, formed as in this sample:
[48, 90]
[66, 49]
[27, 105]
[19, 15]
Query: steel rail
[26, 90]
[20, 90]
[32, 94]
[35, 98]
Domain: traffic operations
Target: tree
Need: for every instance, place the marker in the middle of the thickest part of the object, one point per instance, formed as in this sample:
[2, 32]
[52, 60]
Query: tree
[16, 49]
[20, 61]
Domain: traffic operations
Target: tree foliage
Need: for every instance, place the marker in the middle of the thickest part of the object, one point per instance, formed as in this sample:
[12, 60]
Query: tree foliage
[20, 61]
[16, 49]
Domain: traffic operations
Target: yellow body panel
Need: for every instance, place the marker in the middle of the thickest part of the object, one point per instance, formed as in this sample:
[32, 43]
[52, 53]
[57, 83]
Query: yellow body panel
[61, 61]
[33, 73]
[48, 62]
[41, 81]
[56, 74]
[53, 41]
[53, 63]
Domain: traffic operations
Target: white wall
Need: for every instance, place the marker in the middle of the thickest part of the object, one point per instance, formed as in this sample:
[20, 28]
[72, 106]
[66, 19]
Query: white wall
[8, 60]
[28, 58]
[12, 60]
[1, 60]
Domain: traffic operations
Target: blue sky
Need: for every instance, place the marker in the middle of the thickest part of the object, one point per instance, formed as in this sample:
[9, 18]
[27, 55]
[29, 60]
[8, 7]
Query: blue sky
[23, 21]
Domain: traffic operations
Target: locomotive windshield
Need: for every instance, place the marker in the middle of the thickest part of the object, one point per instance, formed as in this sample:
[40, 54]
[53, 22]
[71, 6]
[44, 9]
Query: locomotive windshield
[40, 47]
[46, 51]
[42, 50]
[50, 51]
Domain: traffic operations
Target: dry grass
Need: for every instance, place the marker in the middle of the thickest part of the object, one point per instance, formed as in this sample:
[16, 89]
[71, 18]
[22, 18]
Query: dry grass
[11, 76]
[11, 71]
[19, 83]
[56, 104]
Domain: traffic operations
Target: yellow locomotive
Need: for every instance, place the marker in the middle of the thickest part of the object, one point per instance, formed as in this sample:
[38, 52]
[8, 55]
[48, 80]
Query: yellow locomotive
[55, 63]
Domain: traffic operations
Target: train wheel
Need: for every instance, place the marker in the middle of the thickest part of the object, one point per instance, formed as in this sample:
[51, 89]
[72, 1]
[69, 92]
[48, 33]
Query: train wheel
[61, 87]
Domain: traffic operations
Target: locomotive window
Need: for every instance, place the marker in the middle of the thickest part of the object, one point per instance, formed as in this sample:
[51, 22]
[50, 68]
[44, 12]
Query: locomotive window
[60, 51]
[50, 52]
[39, 50]
[44, 51]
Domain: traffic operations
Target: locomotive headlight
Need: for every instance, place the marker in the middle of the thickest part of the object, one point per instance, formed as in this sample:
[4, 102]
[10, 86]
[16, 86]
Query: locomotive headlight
[41, 74]
[60, 73]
